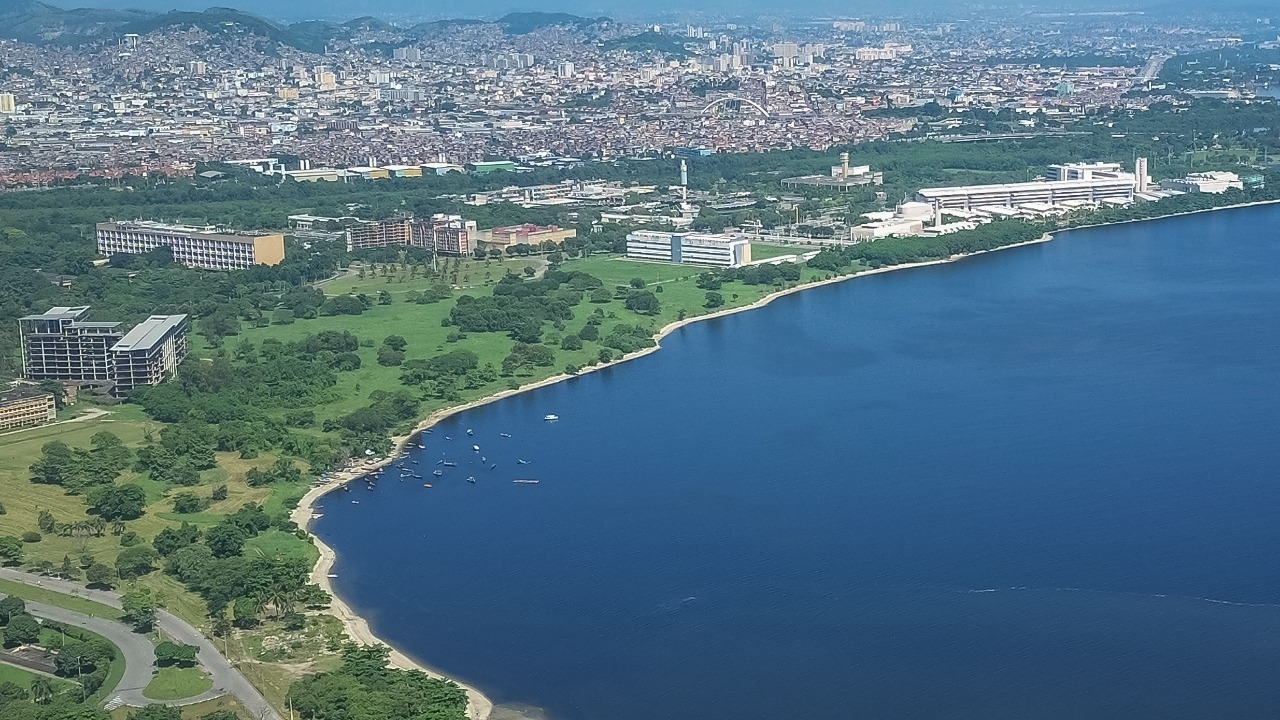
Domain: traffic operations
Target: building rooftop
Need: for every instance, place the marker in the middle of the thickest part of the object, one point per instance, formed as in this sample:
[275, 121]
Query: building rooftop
[19, 393]
[148, 333]
[60, 313]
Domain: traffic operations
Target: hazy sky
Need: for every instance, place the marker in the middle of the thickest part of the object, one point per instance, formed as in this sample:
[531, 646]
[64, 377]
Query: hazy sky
[293, 10]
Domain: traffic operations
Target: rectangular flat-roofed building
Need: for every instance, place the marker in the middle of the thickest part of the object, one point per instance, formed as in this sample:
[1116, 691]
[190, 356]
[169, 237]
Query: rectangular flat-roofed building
[149, 353]
[689, 248]
[378, 234]
[192, 246]
[1052, 192]
[26, 407]
[61, 345]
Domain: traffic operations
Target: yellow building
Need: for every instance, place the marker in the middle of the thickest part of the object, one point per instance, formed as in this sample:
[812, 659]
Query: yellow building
[202, 247]
[26, 407]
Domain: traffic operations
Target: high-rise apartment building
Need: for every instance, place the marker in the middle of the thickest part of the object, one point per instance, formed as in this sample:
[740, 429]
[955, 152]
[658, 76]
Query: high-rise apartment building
[61, 345]
[149, 353]
[446, 234]
[191, 246]
[378, 234]
[8, 104]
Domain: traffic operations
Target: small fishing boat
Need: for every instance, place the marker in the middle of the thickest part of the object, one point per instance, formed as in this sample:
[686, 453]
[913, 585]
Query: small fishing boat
[355, 502]
[316, 515]
[522, 462]
[525, 481]
[505, 434]
[426, 485]
[446, 437]
[469, 432]
[332, 575]
[471, 480]
[438, 473]
[450, 464]
[484, 459]
[475, 448]
[421, 446]
[415, 462]
[493, 466]
[551, 418]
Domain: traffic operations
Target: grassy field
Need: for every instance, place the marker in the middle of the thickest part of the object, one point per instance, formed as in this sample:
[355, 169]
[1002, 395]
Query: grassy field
[397, 280]
[23, 501]
[56, 599]
[174, 683]
[193, 712]
[761, 251]
[22, 678]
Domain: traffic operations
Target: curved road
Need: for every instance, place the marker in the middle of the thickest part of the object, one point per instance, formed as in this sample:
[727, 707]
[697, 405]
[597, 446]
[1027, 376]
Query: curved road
[226, 679]
[139, 653]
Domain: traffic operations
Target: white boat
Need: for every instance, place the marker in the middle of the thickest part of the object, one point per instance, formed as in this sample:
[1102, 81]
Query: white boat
[475, 448]
[550, 418]
[505, 434]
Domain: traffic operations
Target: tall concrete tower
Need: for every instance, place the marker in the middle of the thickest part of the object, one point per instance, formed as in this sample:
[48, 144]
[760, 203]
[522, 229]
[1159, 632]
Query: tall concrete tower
[1141, 179]
[684, 184]
[844, 166]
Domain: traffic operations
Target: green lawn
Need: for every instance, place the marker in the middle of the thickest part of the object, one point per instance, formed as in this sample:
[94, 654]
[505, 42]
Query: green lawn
[174, 683]
[22, 678]
[399, 281]
[762, 251]
[57, 599]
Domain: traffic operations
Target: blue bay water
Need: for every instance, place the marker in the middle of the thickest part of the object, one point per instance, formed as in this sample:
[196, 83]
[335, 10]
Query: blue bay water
[1037, 483]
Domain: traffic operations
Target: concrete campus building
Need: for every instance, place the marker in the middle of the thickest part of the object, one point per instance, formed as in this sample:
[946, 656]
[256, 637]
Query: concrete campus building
[25, 407]
[198, 247]
[1071, 182]
[689, 248]
[61, 345]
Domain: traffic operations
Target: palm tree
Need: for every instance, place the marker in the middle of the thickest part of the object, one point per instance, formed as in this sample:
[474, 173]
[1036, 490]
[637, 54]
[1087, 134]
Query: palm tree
[41, 690]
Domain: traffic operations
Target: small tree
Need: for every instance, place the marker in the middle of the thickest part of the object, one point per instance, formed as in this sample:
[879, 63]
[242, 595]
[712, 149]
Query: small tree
[168, 653]
[10, 550]
[136, 562]
[21, 630]
[10, 606]
[139, 609]
[714, 300]
[100, 574]
[637, 283]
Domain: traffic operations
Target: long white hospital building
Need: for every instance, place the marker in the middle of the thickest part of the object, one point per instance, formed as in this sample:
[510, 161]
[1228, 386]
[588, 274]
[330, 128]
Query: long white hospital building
[1066, 183]
[689, 248]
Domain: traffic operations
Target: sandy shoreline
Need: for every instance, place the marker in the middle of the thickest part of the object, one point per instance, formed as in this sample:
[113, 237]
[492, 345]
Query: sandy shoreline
[480, 707]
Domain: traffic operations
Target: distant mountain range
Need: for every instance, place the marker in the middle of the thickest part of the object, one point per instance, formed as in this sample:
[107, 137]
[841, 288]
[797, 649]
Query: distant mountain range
[38, 22]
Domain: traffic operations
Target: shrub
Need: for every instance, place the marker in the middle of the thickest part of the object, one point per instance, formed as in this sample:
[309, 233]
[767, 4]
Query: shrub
[31, 536]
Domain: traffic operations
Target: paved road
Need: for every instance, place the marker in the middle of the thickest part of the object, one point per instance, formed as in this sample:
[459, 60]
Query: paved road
[226, 679]
[139, 653]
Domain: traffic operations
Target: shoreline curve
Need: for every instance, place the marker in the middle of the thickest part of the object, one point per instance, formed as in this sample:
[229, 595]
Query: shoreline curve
[479, 706]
